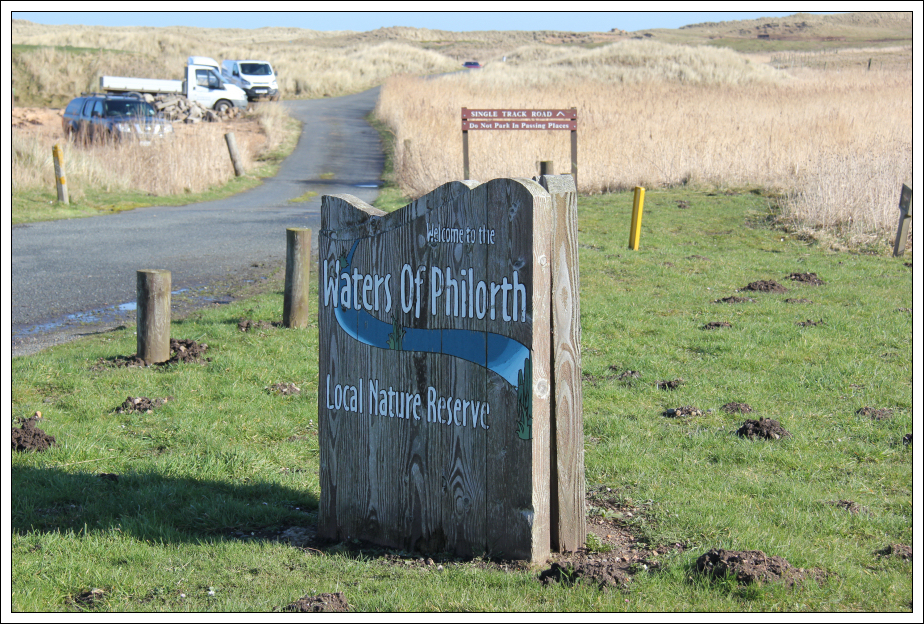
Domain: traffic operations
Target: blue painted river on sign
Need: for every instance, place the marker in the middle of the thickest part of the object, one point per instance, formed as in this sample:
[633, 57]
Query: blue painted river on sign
[501, 354]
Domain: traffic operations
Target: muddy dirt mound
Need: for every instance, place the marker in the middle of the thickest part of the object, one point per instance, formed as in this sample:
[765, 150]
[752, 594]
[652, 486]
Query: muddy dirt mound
[672, 384]
[735, 300]
[687, 411]
[140, 405]
[716, 325]
[612, 555]
[602, 573]
[187, 351]
[748, 566]
[850, 507]
[798, 301]
[766, 428]
[875, 414]
[29, 437]
[322, 603]
[737, 408]
[249, 325]
[907, 439]
[765, 286]
[805, 278]
[285, 389]
[902, 551]
[181, 351]
[810, 323]
[88, 599]
[624, 376]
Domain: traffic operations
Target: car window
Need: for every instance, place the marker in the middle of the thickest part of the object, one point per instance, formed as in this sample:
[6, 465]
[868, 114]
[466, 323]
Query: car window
[256, 69]
[208, 78]
[129, 108]
[98, 108]
[87, 108]
[74, 107]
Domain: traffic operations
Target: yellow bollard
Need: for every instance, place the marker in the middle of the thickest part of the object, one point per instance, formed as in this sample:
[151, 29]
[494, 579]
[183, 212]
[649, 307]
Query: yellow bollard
[57, 155]
[637, 206]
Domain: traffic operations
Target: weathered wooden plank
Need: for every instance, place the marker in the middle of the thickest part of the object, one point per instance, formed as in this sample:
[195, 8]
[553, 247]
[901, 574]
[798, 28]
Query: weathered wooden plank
[413, 463]
[567, 420]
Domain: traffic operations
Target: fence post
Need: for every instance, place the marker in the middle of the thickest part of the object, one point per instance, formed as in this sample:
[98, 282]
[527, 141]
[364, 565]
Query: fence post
[904, 221]
[546, 167]
[57, 155]
[153, 312]
[235, 155]
[298, 273]
[638, 205]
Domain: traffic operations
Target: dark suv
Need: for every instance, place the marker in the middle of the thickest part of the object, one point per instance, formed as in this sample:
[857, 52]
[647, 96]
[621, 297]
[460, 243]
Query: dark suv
[101, 117]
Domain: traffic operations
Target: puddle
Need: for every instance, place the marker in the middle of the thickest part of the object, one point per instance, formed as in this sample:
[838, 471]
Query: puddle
[114, 315]
[366, 185]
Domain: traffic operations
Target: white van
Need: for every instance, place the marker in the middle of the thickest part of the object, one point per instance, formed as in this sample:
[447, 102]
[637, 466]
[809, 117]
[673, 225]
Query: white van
[256, 78]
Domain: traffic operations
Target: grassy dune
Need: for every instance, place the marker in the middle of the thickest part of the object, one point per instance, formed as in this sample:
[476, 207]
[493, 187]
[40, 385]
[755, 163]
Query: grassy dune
[835, 145]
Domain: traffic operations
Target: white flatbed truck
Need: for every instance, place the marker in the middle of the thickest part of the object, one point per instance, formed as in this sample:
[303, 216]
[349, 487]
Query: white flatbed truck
[203, 85]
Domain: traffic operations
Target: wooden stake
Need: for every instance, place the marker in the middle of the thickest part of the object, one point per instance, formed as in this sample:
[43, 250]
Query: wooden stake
[235, 155]
[904, 221]
[638, 205]
[153, 311]
[295, 311]
[58, 156]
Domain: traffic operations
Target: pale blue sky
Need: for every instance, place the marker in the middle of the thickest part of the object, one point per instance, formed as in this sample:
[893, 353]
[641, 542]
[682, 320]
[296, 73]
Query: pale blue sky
[571, 21]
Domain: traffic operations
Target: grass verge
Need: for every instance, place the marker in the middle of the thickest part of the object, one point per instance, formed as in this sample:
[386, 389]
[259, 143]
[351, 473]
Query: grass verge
[203, 477]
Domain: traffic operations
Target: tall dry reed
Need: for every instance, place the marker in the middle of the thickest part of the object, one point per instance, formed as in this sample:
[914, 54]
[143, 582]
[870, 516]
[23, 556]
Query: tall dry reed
[190, 162]
[837, 143]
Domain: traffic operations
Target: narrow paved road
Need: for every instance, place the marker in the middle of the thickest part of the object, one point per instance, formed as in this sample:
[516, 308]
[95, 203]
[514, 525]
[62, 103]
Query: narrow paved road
[75, 277]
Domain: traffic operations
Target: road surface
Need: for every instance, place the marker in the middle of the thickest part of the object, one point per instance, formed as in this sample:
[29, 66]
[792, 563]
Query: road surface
[76, 277]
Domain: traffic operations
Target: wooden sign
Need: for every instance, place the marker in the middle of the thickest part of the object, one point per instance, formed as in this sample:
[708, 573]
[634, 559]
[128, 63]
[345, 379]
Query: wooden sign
[519, 119]
[435, 377]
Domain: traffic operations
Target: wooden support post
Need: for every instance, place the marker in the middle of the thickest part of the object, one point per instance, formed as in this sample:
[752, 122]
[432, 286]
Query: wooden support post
[57, 155]
[546, 167]
[574, 162]
[904, 221]
[235, 155]
[638, 205]
[568, 530]
[153, 312]
[465, 169]
[295, 310]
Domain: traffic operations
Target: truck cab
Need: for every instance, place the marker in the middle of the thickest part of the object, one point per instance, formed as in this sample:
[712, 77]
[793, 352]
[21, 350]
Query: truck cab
[205, 85]
[256, 78]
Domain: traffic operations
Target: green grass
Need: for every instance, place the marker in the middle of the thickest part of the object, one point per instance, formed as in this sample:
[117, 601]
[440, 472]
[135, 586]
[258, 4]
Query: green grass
[226, 455]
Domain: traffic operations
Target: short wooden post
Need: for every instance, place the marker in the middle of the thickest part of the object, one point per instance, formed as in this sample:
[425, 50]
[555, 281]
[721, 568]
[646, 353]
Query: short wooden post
[235, 155]
[57, 155]
[546, 167]
[638, 205]
[298, 271]
[904, 221]
[153, 312]
[566, 462]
